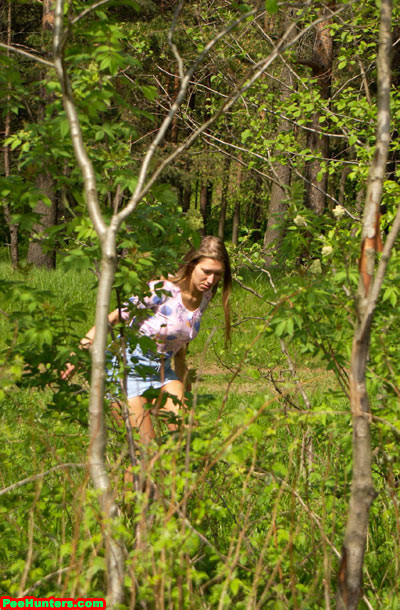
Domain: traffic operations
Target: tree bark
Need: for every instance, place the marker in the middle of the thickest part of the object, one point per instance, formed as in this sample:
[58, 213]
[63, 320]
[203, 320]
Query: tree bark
[236, 208]
[205, 203]
[256, 208]
[277, 207]
[282, 172]
[37, 255]
[186, 196]
[362, 488]
[97, 428]
[224, 197]
[320, 63]
[175, 126]
[107, 237]
[41, 257]
[236, 223]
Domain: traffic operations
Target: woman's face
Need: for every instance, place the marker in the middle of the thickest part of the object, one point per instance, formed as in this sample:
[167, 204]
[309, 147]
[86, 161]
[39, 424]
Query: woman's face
[206, 274]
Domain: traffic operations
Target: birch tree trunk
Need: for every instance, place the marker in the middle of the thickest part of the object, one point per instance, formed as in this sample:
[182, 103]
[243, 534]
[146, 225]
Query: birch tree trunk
[107, 238]
[362, 489]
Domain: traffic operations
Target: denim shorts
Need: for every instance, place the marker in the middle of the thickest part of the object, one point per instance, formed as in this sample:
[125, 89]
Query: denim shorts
[146, 371]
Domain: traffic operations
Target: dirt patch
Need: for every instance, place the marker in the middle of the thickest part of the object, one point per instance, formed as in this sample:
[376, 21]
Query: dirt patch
[216, 379]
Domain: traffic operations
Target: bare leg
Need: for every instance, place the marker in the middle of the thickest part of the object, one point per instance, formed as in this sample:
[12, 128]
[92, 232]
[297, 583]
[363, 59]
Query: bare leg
[139, 417]
[177, 389]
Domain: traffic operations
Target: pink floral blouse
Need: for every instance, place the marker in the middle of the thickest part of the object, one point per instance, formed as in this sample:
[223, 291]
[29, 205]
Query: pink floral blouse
[172, 325]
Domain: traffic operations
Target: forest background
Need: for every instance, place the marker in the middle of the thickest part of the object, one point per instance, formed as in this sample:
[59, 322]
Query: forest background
[257, 122]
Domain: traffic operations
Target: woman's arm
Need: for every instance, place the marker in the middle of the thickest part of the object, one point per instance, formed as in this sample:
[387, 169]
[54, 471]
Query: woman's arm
[181, 368]
[87, 341]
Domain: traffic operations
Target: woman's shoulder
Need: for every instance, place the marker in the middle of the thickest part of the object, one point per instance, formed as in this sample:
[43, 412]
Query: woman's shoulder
[164, 287]
[171, 286]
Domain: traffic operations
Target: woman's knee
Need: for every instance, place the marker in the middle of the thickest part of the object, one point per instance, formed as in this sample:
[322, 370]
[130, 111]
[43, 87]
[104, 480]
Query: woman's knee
[174, 388]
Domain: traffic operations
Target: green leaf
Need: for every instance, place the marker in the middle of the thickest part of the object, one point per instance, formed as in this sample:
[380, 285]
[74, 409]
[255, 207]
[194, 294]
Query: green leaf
[271, 6]
[280, 328]
[149, 92]
[64, 127]
[245, 135]
[352, 140]
[15, 143]
[235, 585]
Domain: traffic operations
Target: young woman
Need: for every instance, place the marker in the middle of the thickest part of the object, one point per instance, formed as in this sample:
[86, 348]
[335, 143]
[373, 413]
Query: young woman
[176, 305]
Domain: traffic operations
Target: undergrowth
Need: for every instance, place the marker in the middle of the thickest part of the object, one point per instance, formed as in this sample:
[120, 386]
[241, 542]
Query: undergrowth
[245, 509]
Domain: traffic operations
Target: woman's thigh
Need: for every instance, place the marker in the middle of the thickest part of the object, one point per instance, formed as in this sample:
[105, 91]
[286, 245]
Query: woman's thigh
[177, 390]
[139, 416]
[175, 401]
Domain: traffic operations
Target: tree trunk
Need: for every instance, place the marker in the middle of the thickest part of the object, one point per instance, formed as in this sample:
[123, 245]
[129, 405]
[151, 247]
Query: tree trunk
[196, 195]
[37, 255]
[236, 209]
[205, 204]
[97, 447]
[277, 207]
[257, 207]
[362, 488]
[224, 198]
[320, 62]
[236, 223]
[107, 238]
[187, 194]
[12, 227]
[282, 172]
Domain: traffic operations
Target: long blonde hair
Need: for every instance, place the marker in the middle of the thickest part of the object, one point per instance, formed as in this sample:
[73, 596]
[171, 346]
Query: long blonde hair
[210, 247]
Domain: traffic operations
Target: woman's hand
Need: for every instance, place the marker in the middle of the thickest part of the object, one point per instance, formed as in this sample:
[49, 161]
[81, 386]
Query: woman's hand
[68, 371]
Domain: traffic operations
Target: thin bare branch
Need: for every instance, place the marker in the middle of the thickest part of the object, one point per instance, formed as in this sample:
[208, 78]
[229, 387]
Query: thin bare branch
[247, 82]
[171, 43]
[141, 190]
[88, 10]
[36, 477]
[32, 56]
[46, 579]
[85, 164]
[257, 294]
